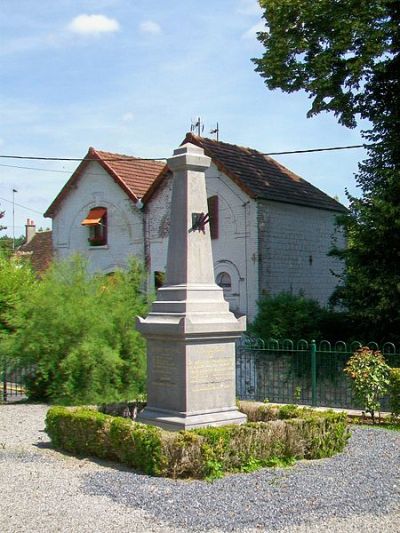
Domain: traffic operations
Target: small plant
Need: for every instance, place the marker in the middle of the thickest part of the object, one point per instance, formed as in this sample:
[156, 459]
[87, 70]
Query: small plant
[394, 392]
[297, 394]
[370, 378]
[289, 411]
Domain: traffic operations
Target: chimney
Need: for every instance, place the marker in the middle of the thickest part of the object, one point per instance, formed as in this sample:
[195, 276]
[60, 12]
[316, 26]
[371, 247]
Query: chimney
[30, 230]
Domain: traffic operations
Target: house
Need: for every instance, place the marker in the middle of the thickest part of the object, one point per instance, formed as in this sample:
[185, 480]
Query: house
[271, 230]
[38, 247]
[97, 213]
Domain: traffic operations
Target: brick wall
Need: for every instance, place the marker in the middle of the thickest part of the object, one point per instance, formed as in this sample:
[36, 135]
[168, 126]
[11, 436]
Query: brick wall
[294, 243]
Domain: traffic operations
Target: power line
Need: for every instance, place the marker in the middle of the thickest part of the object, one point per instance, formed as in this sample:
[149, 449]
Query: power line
[128, 158]
[319, 149]
[23, 206]
[41, 158]
[35, 168]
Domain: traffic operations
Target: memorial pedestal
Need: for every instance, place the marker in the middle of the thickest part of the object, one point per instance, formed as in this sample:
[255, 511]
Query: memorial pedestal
[190, 331]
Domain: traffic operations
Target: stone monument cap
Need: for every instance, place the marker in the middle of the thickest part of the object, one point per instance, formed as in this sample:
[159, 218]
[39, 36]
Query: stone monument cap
[189, 157]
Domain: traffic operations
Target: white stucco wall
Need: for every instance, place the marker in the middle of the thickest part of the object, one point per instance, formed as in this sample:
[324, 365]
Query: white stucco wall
[235, 249]
[264, 246]
[125, 223]
[294, 243]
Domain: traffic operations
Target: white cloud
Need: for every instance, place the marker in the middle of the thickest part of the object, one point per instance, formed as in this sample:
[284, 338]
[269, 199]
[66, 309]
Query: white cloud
[93, 24]
[149, 26]
[127, 117]
[252, 32]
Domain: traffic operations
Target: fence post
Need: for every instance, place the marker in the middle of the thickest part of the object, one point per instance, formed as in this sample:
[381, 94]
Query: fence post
[313, 373]
[4, 382]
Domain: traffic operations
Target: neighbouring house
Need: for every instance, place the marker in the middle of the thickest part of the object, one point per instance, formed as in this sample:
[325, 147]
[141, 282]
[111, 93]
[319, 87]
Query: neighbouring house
[96, 213]
[38, 247]
[271, 230]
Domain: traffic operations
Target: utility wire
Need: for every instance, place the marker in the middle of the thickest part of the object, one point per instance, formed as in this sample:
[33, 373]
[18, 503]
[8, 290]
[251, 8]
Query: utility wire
[40, 158]
[35, 168]
[319, 149]
[23, 206]
[128, 158]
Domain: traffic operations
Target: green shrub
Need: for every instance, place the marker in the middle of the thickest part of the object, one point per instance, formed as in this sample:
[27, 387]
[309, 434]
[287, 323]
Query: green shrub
[287, 316]
[201, 453]
[394, 392]
[370, 378]
[17, 280]
[78, 331]
[137, 445]
[289, 411]
[81, 431]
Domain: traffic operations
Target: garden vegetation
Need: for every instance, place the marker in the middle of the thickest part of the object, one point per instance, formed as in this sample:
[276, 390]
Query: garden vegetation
[75, 330]
[272, 437]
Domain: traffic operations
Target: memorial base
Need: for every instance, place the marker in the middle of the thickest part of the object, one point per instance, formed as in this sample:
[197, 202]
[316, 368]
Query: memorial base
[175, 421]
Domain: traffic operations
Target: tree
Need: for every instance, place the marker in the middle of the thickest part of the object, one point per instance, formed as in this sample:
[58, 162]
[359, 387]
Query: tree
[6, 244]
[78, 332]
[1, 216]
[346, 55]
[16, 281]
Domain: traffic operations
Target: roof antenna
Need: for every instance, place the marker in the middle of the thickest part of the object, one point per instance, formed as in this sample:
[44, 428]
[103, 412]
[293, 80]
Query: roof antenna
[215, 131]
[197, 125]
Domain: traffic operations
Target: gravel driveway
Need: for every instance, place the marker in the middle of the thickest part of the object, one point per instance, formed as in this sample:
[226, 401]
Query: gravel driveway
[46, 491]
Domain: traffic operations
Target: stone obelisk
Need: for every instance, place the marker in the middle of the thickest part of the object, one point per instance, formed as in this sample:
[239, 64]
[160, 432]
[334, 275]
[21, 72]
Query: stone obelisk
[190, 331]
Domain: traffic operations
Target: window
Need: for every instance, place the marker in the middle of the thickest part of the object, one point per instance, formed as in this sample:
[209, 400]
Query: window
[96, 221]
[213, 214]
[224, 280]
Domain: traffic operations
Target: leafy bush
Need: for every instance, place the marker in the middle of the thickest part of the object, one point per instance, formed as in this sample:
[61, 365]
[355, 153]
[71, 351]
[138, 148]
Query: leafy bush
[287, 316]
[16, 282]
[202, 453]
[78, 331]
[394, 391]
[370, 378]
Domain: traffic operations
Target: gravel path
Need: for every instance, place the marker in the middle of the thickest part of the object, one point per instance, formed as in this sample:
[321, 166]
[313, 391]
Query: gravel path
[45, 491]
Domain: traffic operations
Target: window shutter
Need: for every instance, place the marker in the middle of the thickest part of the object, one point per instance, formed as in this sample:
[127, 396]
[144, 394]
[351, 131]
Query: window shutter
[213, 214]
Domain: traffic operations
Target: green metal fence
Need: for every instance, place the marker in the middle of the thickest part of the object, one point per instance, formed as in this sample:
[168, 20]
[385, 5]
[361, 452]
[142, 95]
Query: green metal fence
[12, 381]
[301, 372]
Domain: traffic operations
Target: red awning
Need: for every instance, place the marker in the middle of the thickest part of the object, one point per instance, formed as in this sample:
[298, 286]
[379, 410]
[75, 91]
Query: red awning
[94, 216]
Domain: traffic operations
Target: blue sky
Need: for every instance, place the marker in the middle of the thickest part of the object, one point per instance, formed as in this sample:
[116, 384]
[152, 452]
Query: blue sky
[128, 76]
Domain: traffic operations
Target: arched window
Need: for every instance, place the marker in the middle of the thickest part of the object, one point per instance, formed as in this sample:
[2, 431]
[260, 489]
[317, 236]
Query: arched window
[224, 280]
[96, 221]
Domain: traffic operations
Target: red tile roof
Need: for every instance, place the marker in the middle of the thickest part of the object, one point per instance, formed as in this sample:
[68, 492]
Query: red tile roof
[133, 175]
[260, 176]
[39, 249]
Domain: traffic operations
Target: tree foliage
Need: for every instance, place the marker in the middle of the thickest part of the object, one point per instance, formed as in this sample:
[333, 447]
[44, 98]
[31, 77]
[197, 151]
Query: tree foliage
[295, 317]
[330, 49]
[6, 244]
[78, 331]
[17, 280]
[346, 55]
[2, 213]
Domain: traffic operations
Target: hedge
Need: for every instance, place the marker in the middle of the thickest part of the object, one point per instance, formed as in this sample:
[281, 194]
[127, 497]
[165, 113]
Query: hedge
[201, 453]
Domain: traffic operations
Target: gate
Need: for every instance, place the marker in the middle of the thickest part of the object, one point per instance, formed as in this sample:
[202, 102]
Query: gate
[12, 384]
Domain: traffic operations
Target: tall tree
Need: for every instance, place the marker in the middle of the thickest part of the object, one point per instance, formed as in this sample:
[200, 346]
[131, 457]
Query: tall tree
[346, 55]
